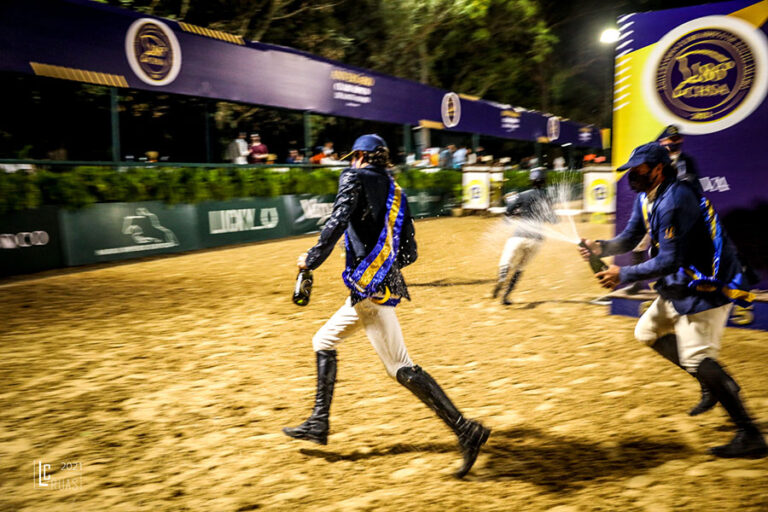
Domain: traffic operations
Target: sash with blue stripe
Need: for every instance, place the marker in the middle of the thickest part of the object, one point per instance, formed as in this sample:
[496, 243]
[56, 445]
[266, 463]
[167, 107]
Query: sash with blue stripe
[367, 277]
[700, 281]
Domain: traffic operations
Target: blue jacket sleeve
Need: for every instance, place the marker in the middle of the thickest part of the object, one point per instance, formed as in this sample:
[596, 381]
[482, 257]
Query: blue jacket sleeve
[670, 255]
[630, 237]
[343, 206]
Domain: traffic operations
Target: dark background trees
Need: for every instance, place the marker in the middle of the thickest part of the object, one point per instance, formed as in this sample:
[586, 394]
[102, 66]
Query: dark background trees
[537, 54]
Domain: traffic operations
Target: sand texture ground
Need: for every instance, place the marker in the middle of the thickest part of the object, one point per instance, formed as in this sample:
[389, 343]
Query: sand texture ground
[169, 380]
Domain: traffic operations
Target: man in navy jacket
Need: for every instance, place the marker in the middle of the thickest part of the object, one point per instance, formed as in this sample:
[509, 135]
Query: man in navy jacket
[699, 275]
[373, 211]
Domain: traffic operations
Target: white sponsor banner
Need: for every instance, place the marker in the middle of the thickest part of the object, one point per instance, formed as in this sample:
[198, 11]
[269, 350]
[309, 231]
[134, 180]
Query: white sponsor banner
[476, 186]
[599, 192]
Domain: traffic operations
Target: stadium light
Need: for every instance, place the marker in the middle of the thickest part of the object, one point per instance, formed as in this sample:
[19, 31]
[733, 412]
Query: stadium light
[609, 35]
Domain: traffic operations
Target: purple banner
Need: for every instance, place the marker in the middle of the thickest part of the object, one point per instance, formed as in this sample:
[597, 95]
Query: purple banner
[705, 70]
[90, 42]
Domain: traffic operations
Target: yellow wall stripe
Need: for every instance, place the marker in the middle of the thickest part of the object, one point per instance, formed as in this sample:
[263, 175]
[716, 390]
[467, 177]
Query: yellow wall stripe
[756, 14]
[78, 75]
[213, 34]
[469, 97]
[425, 123]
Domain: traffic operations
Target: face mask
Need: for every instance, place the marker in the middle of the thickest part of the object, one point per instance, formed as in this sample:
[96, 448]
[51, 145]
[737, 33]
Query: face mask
[639, 182]
[674, 148]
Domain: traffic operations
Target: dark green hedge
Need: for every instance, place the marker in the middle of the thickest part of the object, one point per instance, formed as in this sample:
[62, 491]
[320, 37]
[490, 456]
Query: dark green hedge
[81, 186]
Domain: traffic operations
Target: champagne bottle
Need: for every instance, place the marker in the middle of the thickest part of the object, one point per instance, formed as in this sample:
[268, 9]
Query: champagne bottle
[594, 261]
[303, 288]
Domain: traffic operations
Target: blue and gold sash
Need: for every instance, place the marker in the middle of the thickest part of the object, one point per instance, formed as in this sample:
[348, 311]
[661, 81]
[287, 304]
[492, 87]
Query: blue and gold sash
[367, 277]
[646, 218]
[699, 281]
[704, 283]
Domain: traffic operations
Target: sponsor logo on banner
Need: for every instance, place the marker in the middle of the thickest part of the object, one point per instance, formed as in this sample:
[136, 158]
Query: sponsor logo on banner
[714, 184]
[707, 74]
[354, 89]
[553, 128]
[475, 190]
[510, 120]
[315, 209]
[24, 239]
[153, 51]
[475, 182]
[451, 109]
[146, 233]
[585, 134]
[241, 219]
[743, 315]
[600, 190]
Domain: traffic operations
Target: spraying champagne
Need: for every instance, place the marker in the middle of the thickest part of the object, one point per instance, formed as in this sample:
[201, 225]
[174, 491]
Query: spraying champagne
[594, 261]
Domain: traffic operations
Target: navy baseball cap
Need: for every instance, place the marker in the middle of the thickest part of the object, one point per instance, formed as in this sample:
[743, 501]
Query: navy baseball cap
[368, 142]
[652, 153]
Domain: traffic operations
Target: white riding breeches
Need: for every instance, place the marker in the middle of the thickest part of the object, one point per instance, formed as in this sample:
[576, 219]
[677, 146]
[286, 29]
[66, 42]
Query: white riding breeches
[518, 251]
[381, 326]
[698, 334]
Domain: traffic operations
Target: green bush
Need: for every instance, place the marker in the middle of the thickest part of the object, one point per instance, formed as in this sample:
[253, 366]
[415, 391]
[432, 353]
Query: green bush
[81, 186]
[18, 191]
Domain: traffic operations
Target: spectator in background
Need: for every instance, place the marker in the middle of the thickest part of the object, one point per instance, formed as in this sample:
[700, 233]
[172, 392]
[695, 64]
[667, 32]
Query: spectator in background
[460, 157]
[294, 157]
[322, 152]
[446, 157]
[686, 167]
[332, 159]
[559, 163]
[258, 152]
[471, 156]
[238, 150]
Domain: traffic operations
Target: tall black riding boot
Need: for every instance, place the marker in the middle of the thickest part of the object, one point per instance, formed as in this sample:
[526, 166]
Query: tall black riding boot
[510, 287]
[501, 279]
[707, 402]
[667, 347]
[315, 429]
[748, 442]
[472, 435]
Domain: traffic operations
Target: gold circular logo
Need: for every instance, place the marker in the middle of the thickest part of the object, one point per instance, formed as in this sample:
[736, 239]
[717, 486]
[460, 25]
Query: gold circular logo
[153, 51]
[707, 74]
[451, 109]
